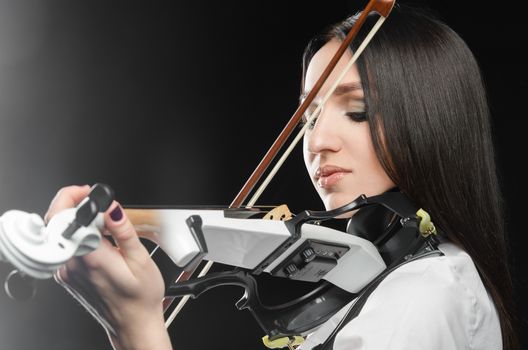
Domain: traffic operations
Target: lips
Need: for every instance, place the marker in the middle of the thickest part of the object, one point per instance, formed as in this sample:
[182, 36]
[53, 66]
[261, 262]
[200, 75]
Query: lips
[329, 175]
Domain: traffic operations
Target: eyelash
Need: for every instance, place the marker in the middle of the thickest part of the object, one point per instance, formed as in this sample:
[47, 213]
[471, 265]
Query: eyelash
[357, 117]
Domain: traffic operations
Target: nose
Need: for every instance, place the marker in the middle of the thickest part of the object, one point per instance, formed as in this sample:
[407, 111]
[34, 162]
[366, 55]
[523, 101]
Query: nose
[323, 136]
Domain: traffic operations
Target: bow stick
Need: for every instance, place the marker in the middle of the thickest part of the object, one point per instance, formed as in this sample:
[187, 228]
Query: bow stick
[383, 8]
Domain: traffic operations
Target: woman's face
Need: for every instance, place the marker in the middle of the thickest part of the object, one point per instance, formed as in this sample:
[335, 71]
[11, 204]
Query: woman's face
[338, 150]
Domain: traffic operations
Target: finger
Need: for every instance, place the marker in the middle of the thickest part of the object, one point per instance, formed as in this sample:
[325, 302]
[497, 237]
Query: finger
[67, 197]
[104, 268]
[124, 234]
[79, 280]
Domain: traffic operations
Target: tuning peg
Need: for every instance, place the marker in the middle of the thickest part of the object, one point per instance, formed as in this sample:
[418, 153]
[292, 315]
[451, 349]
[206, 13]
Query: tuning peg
[99, 200]
[102, 195]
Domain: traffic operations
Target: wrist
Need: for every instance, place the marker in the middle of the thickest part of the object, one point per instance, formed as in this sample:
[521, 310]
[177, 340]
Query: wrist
[141, 334]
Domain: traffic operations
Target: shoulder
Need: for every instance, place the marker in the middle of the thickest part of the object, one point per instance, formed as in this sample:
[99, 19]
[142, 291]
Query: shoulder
[434, 303]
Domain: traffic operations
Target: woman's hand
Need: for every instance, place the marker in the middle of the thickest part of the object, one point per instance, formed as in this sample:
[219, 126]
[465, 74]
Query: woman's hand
[120, 286]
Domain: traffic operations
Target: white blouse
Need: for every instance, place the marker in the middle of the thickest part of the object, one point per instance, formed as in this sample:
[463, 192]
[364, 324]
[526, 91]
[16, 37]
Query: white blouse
[432, 303]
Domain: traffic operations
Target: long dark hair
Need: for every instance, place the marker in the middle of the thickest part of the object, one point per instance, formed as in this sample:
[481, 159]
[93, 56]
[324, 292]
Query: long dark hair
[430, 125]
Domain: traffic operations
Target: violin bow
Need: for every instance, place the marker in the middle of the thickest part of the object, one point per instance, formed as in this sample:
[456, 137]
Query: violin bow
[383, 8]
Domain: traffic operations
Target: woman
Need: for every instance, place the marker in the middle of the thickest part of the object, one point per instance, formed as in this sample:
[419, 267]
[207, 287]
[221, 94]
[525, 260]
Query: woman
[411, 114]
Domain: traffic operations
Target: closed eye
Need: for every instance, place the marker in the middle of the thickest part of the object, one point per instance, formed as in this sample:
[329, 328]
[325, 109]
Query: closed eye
[357, 116]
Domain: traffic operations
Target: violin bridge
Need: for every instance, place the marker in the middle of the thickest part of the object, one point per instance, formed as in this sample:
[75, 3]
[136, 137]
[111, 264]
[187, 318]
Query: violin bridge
[281, 213]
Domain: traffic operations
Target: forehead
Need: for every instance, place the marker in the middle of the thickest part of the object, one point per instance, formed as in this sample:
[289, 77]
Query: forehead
[319, 62]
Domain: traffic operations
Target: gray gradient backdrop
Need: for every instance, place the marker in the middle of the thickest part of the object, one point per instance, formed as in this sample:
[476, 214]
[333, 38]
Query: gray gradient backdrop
[174, 103]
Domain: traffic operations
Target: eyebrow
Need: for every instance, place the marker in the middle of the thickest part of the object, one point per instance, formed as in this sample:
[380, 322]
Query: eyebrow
[341, 89]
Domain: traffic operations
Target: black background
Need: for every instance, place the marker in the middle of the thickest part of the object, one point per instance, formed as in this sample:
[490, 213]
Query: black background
[175, 103]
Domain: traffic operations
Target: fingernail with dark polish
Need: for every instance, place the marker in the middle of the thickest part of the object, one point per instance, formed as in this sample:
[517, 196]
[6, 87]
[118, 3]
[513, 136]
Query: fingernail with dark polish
[116, 214]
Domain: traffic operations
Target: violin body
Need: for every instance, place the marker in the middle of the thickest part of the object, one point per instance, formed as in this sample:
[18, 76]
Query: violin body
[294, 247]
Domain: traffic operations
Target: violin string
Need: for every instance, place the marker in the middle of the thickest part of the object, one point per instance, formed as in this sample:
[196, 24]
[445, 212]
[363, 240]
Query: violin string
[285, 155]
[300, 134]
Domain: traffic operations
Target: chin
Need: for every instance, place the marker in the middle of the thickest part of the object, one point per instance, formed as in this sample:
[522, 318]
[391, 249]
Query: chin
[335, 200]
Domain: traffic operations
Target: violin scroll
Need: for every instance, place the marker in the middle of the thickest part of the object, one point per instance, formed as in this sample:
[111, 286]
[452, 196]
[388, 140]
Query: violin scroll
[38, 250]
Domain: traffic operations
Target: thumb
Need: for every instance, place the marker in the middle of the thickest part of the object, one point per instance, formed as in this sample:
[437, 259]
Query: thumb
[124, 233]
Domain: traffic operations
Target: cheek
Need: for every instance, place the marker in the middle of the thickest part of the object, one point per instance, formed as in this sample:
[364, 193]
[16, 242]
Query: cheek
[357, 142]
[371, 160]
[306, 154]
[370, 174]
[374, 177]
